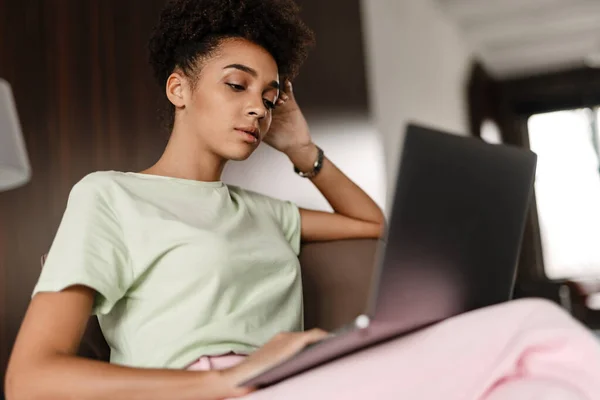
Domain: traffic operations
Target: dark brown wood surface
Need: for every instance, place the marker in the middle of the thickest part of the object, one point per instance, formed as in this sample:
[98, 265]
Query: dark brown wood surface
[86, 101]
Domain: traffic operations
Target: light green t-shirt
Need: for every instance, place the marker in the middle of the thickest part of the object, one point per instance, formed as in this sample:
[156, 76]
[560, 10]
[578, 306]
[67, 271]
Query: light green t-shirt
[182, 268]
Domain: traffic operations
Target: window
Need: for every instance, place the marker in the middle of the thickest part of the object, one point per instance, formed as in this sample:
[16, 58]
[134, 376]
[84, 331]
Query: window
[568, 191]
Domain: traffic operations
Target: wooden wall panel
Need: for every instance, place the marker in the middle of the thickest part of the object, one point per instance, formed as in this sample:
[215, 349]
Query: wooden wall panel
[87, 102]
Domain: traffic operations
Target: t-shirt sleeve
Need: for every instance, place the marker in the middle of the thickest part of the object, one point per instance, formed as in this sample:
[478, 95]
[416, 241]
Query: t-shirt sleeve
[88, 249]
[288, 215]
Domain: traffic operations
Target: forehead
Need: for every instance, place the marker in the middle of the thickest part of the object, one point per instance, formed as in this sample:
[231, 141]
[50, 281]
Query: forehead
[241, 51]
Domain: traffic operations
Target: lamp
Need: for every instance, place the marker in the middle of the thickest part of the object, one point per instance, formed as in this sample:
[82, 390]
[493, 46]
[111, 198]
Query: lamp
[15, 170]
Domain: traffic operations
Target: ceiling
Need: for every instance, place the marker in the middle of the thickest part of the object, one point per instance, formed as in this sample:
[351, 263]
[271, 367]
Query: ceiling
[524, 37]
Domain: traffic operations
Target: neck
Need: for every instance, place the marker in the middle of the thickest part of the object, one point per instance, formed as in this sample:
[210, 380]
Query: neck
[187, 157]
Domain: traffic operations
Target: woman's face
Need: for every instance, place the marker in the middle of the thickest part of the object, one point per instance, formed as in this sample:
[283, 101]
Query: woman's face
[229, 108]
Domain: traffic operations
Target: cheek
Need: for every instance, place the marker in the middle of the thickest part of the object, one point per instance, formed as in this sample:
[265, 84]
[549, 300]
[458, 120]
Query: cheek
[266, 122]
[201, 106]
[207, 102]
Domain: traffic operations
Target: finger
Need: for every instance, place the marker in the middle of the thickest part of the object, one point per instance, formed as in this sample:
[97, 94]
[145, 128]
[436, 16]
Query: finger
[315, 335]
[287, 89]
[241, 391]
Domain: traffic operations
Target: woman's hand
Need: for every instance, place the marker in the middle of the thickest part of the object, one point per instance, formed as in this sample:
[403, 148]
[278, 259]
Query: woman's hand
[289, 131]
[281, 347]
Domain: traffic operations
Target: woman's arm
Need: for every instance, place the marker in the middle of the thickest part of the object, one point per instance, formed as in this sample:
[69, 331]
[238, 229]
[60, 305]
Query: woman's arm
[43, 363]
[355, 214]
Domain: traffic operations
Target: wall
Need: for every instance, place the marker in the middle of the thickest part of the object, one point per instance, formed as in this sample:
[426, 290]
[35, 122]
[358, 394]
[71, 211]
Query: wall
[417, 66]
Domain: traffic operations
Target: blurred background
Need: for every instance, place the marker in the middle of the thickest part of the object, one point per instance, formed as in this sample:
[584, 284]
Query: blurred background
[518, 72]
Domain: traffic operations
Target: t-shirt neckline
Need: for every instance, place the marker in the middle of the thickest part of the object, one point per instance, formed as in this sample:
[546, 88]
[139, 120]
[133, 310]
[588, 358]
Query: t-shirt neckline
[191, 182]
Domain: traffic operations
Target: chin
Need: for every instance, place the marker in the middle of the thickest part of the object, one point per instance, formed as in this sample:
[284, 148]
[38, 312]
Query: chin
[239, 154]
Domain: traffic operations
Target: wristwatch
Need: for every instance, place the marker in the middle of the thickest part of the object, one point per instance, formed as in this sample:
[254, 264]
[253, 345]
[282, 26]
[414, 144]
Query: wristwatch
[316, 166]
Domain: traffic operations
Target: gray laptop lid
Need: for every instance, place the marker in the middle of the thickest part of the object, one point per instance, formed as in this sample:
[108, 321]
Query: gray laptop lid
[455, 229]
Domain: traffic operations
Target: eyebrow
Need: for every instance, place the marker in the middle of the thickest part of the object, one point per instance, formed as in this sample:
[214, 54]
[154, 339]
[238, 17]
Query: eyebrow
[252, 72]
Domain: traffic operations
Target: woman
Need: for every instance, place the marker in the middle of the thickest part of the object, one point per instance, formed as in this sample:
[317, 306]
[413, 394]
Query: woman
[196, 283]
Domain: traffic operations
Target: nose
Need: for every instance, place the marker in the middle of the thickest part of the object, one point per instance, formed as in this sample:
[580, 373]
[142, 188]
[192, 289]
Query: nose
[257, 109]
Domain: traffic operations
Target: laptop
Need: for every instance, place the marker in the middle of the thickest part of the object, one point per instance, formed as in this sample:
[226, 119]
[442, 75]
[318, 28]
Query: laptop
[451, 245]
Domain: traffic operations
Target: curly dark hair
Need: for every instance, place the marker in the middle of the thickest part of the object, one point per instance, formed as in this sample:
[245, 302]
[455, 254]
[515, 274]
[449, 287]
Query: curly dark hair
[188, 31]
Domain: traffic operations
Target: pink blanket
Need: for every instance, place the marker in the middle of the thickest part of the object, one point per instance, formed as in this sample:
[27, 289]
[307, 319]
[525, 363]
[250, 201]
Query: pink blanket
[521, 350]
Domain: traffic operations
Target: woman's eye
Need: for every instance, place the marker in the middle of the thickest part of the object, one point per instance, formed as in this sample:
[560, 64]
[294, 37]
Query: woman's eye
[269, 104]
[235, 87]
[239, 88]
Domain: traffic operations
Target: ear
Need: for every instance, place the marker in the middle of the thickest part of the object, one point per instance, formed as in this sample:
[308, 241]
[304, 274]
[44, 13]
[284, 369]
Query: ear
[177, 88]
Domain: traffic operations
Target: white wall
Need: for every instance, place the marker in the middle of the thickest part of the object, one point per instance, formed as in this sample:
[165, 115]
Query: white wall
[417, 65]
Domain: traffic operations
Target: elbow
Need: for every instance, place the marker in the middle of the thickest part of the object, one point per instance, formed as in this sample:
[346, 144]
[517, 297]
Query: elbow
[11, 386]
[19, 385]
[379, 219]
[14, 389]
[374, 230]
[381, 224]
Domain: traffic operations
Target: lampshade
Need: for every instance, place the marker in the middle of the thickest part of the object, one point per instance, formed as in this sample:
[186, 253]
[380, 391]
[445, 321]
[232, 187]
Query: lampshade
[14, 163]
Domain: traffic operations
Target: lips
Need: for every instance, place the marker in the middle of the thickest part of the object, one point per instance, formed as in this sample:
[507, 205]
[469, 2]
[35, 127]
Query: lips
[251, 131]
